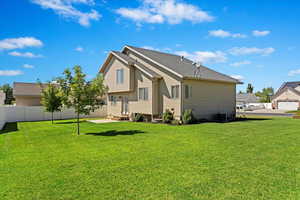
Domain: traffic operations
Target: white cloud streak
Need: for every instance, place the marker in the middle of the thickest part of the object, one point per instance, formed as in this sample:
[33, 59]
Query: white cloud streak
[19, 43]
[294, 72]
[165, 11]
[204, 56]
[79, 49]
[237, 64]
[257, 33]
[10, 72]
[238, 77]
[66, 9]
[27, 66]
[25, 54]
[251, 50]
[225, 34]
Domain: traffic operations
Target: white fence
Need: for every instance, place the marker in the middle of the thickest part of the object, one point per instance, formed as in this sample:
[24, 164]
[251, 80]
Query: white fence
[36, 113]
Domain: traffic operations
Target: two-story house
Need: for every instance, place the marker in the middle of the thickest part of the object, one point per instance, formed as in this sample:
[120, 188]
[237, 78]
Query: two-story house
[149, 82]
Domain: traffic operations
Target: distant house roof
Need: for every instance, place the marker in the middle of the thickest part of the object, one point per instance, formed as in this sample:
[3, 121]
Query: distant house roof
[247, 98]
[181, 66]
[288, 86]
[27, 89]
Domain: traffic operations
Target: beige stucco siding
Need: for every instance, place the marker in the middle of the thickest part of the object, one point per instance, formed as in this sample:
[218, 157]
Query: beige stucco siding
[164, 86]
[210, 98]
[134, 104]
[28, 101]
[287, 95]
[110, 76]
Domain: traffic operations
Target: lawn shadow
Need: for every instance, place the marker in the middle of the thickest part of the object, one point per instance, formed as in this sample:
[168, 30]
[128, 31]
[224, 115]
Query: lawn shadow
[9, 127]
[70, 122]
[115, 133]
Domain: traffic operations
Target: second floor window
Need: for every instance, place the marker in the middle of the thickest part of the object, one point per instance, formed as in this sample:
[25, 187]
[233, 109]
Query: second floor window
[143, 94]
[120, 76]
[175, 91]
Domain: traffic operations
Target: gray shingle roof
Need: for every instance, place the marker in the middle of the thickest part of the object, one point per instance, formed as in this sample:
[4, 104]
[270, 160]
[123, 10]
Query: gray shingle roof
[137, 64]
[247, 98]
[184, 67]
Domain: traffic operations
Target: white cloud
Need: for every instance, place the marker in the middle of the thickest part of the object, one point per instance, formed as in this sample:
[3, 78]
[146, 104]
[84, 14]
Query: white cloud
[66, 9]
[161, 11]
[25, 54]
[79, 49]
[204, 56]
[294, 72]
[237, 64]
[251, 50]
[260, 33]
[224, 34]
[150, 48]
[238, 77]
[10, 72]
[19, 43]
[27, 66]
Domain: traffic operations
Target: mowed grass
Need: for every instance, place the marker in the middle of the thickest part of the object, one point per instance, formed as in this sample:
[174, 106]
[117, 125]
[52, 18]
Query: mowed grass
[254, 159]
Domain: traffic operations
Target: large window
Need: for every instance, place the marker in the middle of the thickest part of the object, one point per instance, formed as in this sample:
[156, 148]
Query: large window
[175, 91]
[187, 91]
[143, 94]
[120, 76]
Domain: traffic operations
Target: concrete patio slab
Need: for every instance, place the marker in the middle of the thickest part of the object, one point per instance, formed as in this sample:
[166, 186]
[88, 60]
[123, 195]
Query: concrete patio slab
[102, 121]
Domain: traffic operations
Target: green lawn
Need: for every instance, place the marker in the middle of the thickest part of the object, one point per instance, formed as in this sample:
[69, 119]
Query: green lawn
[255, 159]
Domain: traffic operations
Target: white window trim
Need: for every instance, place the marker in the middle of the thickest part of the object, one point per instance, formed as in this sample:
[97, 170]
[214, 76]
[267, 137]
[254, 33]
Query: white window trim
[144, 89]
[121, 81]
[176, 94]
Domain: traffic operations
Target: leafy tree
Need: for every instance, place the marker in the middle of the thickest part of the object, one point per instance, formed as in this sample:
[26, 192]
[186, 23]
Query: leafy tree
[78, 93]
[8, 90]
[250, 88]
[51, 99]
[265, 95]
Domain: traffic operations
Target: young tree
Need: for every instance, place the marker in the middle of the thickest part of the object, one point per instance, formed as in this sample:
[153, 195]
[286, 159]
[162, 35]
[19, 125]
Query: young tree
[8, 90]
[250, 88]
[51, 98]
[82, 95]
[265, 95]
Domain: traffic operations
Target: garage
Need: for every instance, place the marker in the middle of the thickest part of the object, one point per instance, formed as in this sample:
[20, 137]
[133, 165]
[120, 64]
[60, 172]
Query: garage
[288, 105]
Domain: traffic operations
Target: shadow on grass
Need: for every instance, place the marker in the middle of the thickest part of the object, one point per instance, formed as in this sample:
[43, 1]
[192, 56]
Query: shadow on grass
[115, 133]
[9, 127]
[69, 122]
[241, 119]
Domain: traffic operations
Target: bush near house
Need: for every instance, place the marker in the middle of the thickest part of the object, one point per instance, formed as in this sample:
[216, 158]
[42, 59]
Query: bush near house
[188, 117]
[137, 117]
[168, 116]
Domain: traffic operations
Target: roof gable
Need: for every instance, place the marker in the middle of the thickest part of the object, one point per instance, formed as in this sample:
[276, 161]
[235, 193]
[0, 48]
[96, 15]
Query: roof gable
[181, 67]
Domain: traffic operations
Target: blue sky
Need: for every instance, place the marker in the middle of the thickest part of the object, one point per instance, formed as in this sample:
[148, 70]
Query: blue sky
[257, 41]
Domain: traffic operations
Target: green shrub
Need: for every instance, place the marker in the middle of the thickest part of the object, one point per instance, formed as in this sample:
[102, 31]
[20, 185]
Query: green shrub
[168, 116]
[188, 117]
[138, 117]
[176, 122]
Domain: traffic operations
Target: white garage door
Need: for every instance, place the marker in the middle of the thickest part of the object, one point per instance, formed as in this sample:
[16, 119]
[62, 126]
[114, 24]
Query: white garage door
[288, 105]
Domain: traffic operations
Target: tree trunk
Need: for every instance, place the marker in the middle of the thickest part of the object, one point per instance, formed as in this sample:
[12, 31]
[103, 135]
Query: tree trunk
[52, 117]
[78, 123]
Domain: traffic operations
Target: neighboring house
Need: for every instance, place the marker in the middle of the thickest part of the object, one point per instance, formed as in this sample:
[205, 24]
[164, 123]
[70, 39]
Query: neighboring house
[149, 82]
[246, 99]
[27, 94]
[2, 97]
[287, 97]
